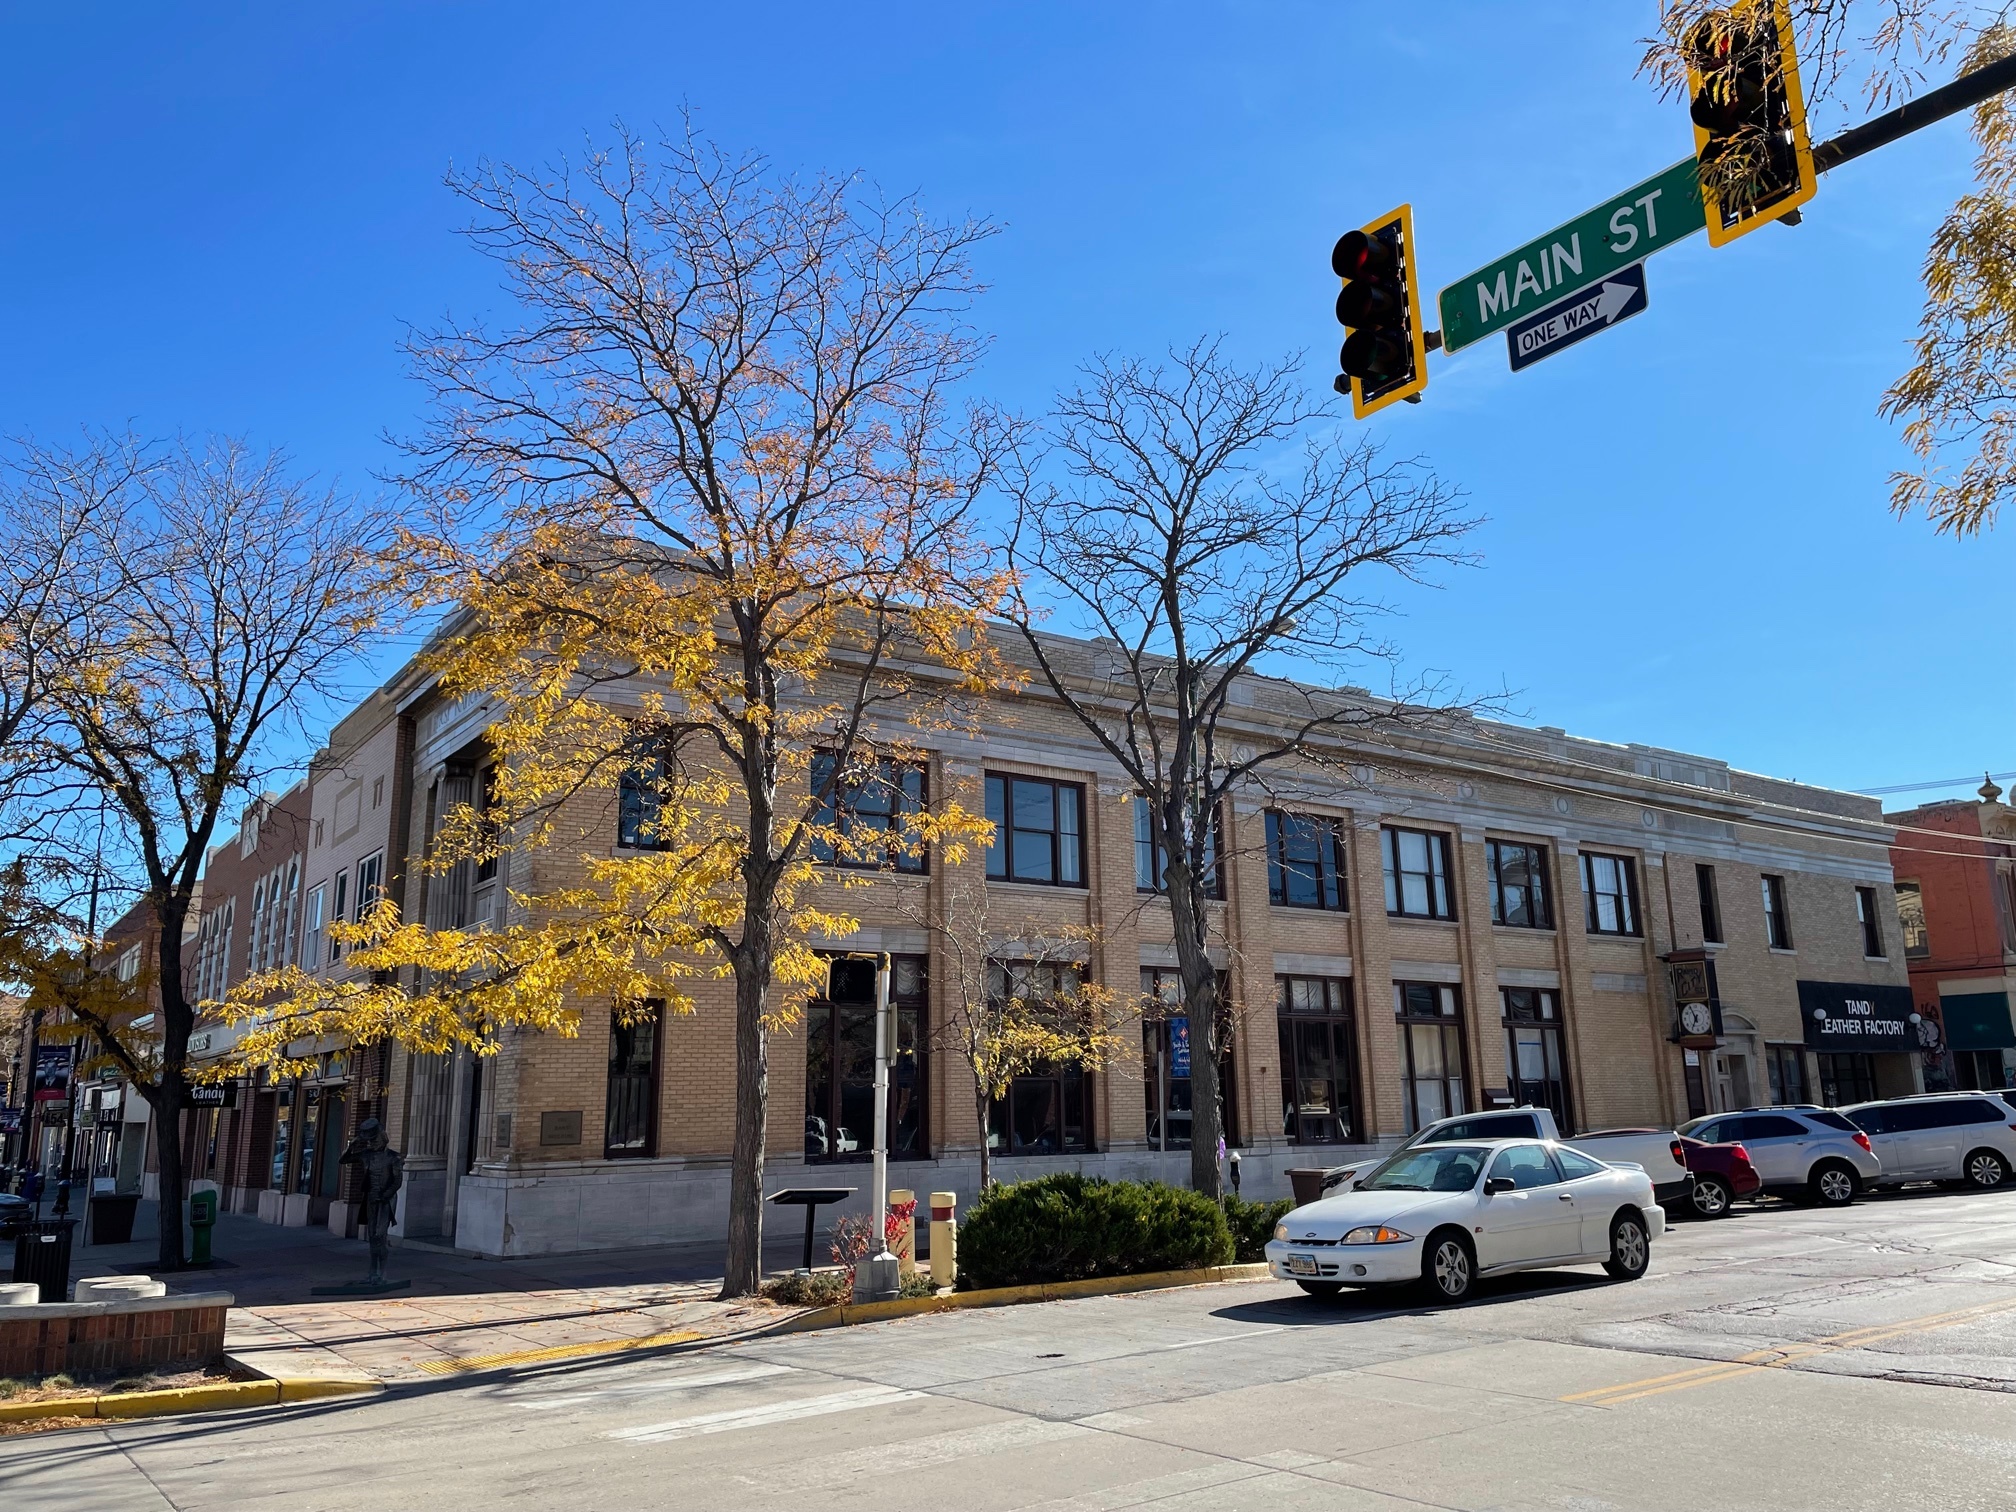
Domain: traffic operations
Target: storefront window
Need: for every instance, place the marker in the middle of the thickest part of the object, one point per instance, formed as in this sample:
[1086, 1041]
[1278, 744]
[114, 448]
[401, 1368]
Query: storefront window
[1319, 1059]
[1534, 1064]
[1786, 1066]
[283, 1128]
[1431, 1051]
[1848, 1077]
[631, 1101]
[1166, 1045]
[310, 1121]
[1048, 1110]
[840, 1063]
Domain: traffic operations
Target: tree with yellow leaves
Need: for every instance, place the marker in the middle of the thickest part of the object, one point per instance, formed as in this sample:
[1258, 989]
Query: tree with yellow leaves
[708, 524]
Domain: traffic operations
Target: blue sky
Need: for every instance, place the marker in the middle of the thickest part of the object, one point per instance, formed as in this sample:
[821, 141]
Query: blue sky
[221, 218]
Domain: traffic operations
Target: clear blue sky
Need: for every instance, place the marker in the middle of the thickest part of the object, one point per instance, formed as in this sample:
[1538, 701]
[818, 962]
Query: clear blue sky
[220, 217]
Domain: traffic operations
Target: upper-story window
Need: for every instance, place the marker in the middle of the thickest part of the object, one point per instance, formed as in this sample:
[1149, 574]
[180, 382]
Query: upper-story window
[1911, 920]
[1417, 873]
[253, 935]
[1865, 915]
[1711, 905]
[864, 810]
[339, 897]
[1520, 895]
[1151, 861]
[1610, 891]
[1305, 861]
[1039, 831]
[311, 926]
[640, 798]
[1777, 917]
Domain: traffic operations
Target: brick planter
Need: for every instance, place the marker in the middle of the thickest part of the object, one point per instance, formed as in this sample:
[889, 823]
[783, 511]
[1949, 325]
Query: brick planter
[112, 1338]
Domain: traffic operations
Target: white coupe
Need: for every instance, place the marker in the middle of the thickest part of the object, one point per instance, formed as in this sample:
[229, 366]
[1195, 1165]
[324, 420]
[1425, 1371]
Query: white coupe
[1448, 1214]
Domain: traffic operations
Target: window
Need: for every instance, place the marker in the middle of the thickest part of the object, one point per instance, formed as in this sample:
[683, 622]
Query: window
[1534, 1063]
[1151, 862]
[1865, 915]
[1047, 1111]
[840, 1062]
[1848, 1077]
[1431, 1051]
[1911, 917]
[1165, 1060]
[1610, 893]
[640, 797]
[311, 925]
[377, 792]
[1777, 923]
[1520, 896]
[1785, 1065]
[1319, 1060]
[252, 932]
[1575, 1165]
[370, 884]
[1039, 831]
[865, 810]
[1305, 862]
[1417, 873]
[1711, 905]
[1528, 1166]
[630, 1117]
[486, 800]
[338, 893]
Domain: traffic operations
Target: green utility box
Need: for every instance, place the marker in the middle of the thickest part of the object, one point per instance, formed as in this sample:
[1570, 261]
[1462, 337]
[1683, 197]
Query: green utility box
[202, 1219]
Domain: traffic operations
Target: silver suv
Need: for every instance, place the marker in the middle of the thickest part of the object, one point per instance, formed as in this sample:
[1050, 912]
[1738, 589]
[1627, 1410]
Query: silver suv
[1957, 1136]
[1802, 1151]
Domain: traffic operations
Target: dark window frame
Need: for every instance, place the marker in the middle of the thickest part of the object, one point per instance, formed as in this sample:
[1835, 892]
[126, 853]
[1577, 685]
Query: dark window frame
[1407, 1014]
[651, 1080]
[1538, 863]
[1785, 1064]
[1151, 859]
[640, 796]
[1339, 1015]
[1625, 899]
[1326, 870]
[1528, 1008]
[908, 786]
[1155, 1017]
[911, 1009]
[1915, 933]
[1061, 1078]
[1002, 847]
[1872, 925]
[1777, 911]
[1711, 904]
[1845, 1076]
[1438, 879]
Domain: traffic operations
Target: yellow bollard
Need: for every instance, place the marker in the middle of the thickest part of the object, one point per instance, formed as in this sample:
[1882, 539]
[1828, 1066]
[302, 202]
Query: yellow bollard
[944, 1238]
[905, 1243]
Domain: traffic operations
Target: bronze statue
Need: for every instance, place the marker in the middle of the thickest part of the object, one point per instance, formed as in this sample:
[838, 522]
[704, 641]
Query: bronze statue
[383, 1168]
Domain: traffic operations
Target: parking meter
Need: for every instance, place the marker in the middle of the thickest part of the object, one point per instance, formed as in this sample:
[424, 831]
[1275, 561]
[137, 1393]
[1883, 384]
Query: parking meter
[202, 1219]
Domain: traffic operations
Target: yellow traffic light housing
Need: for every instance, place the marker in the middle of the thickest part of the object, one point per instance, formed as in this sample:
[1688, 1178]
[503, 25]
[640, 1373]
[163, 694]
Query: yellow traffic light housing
[1385, 355]
[1749, 114]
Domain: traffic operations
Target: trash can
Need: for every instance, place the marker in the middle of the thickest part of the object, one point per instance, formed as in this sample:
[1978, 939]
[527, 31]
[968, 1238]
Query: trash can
[112, 1218]
[42, 1255]
[1306, 1182]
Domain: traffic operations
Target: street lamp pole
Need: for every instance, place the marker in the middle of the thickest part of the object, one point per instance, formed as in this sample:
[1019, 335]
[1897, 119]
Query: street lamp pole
[878, 1278]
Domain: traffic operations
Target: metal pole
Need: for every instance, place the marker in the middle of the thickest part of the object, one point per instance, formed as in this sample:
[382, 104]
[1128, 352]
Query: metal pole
[881, 1106]
[1162, 1087]
[1950, 99]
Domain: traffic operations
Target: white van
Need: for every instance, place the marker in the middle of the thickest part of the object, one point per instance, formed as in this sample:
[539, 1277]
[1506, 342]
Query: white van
[1942, 1136]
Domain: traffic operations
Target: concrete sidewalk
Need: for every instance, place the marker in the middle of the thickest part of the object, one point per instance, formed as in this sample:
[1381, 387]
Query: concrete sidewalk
[460, 1314]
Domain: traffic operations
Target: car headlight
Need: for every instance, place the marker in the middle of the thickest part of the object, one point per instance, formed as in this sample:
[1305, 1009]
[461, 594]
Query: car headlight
[1376, 1233]
[1281, 1232]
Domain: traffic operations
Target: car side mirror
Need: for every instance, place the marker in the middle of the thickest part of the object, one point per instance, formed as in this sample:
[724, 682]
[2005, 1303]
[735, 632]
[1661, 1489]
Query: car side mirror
[1493, 1185]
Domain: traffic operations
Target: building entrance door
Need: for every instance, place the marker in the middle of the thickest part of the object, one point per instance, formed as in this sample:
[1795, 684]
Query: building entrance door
[1732, 1080]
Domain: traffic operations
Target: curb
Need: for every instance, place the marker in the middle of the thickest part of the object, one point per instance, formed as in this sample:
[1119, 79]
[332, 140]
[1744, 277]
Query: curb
[221, 1397]
[850, 1313]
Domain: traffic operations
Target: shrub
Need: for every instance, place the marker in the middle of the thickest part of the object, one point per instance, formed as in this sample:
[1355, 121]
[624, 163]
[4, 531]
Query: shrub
[818, 1289]
[917, 1284]
[1252, 1225]
[1070, 1227]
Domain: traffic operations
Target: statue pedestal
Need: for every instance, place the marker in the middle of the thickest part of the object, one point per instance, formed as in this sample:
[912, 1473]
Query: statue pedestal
[358, 1288]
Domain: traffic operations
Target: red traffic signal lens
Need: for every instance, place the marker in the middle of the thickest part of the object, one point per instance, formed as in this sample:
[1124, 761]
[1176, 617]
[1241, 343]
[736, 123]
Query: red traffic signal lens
[1357, 255]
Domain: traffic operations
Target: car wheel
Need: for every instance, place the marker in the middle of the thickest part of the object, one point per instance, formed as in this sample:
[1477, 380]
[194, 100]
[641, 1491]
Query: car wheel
[1986, 1170]
[1832, 1184]
[1711, 1197]
[1321, 1288]
[1448, 1266]
[1630, 1248]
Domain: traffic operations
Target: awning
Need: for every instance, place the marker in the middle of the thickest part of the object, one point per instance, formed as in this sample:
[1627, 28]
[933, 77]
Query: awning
[1978, 1021]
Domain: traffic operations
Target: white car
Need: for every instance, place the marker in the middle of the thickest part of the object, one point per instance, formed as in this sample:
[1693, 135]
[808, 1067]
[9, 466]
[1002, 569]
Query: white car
[1449, 1214]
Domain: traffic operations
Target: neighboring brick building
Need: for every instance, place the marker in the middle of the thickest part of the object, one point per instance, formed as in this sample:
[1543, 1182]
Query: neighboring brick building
[1955, 864]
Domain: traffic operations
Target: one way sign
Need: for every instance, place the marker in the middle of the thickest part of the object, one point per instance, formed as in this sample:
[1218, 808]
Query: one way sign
[1583, 313]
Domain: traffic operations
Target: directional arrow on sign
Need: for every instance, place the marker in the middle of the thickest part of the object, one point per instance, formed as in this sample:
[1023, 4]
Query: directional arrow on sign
[1597, 307]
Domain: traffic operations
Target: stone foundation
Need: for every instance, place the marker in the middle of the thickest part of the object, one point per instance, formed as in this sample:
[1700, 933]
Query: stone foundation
[113, 1338]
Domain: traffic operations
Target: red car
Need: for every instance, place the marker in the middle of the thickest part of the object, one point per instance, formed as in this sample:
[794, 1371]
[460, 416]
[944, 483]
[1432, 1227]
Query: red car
[1722, 1173]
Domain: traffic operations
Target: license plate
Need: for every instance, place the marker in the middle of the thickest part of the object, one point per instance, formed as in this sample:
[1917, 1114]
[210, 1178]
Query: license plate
[1301, 1265]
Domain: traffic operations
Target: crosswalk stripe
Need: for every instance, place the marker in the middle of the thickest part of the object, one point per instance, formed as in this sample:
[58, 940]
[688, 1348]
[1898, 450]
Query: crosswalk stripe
[654, 1386]
[757, 1417]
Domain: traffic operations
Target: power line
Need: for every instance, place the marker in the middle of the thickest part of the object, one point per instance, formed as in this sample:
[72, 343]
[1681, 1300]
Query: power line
[1926, 787]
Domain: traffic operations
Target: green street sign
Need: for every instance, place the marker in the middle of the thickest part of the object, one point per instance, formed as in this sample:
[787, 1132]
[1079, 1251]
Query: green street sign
[1624, 229]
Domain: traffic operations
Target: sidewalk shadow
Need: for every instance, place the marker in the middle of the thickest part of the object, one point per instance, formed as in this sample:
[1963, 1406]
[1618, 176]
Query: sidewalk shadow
[1373, 1303]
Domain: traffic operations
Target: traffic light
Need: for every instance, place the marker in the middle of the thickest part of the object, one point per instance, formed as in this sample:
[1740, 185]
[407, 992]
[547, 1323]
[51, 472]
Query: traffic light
[1385, 356]
[1749, 117]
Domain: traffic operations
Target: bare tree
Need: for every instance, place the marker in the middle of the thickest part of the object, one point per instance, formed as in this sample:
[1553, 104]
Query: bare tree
[234, 597]
[720, 460]
[1152, 517]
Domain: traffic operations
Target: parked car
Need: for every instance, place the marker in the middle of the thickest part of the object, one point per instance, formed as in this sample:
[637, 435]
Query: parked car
[1802, 1151]
[1654, 1149]
[1961, 1136]
[1447, 1215]
[1722, 1173]
[16, 1213]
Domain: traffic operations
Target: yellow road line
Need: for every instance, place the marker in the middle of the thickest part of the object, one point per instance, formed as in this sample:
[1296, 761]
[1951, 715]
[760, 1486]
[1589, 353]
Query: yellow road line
[557, 1352]
[1779, 1358]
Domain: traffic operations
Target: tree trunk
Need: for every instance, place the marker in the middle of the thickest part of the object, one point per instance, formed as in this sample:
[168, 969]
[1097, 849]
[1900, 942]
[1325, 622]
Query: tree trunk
[1200, 1002]
[980, 1101]
[167, 1104]
[743, 1274]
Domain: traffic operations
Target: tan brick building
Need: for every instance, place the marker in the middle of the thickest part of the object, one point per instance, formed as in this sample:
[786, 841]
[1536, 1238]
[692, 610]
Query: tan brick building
[1467, 915]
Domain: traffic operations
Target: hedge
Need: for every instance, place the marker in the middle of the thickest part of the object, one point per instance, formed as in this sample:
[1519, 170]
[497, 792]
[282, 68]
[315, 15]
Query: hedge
[1252, 1225]
[1069, 1227]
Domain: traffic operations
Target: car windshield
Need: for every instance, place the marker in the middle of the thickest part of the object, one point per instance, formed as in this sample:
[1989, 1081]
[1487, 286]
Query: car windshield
[1428, 1168]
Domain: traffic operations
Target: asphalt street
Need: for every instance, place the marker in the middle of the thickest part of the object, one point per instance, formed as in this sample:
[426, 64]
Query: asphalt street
[1784, 1358]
